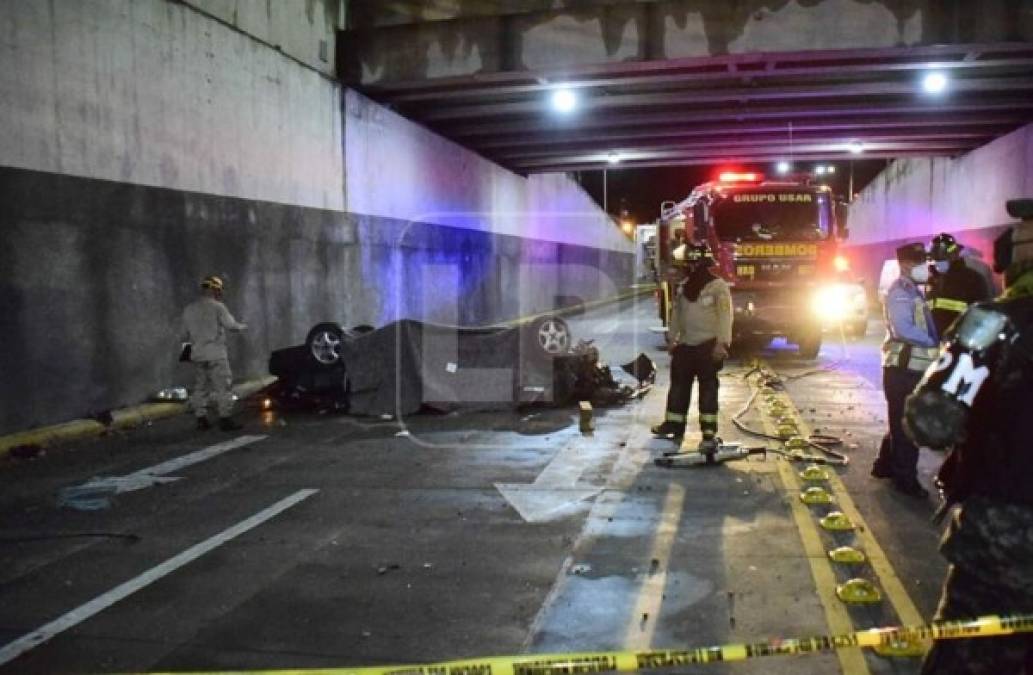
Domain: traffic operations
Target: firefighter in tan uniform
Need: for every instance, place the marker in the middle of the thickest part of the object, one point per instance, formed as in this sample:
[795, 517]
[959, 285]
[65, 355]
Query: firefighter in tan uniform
[701, 333]
[205, 322]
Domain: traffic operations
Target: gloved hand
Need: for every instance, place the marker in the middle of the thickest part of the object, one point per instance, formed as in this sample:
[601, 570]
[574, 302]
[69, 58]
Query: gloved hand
[720, 352]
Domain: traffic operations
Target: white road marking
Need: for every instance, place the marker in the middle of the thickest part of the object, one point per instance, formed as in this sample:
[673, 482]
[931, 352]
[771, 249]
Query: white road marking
[157, 474]
[14, 649]
[554, 493]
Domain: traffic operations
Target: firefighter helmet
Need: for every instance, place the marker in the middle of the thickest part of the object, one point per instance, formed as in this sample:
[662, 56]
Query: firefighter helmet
[944, 246]
[213, 283]
[690, 253]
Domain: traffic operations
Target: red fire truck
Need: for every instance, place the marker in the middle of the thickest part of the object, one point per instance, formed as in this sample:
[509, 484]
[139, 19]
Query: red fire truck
[777, 244]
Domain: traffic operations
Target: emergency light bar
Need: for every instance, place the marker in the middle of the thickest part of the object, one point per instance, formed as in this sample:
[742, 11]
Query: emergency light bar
[734, 177]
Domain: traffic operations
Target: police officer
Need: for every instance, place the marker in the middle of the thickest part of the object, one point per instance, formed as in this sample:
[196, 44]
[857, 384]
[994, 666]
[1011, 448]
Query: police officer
[955, 285]
[910, 346]
[701, 333]
[205, 322]
[976, 401]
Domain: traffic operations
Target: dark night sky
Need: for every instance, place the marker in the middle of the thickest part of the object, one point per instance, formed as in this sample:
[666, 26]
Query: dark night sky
[640, 191]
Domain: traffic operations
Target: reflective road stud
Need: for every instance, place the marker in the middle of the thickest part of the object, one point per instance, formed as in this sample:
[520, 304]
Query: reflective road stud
[815, 495]
[837, 521]
[858, 591]
[847, 555]
[813, 472]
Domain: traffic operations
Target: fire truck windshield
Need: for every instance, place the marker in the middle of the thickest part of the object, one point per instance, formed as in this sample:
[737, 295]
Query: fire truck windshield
[772, 216]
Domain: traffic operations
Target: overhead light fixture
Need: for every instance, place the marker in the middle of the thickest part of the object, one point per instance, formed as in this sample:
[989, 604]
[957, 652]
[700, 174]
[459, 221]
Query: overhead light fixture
[782, 167]
[564, 100]
[830, 169]
[819, 170]
[856, 147]
[613, 158]
[934, 82]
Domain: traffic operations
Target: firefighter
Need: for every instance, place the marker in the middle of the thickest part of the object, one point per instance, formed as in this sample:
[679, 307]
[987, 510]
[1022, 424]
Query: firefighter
[205, 322]
[955, 285]
[910, 346]
[975, 402]
[700, 336]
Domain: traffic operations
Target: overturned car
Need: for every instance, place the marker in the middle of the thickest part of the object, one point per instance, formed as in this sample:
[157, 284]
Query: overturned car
[406, 365]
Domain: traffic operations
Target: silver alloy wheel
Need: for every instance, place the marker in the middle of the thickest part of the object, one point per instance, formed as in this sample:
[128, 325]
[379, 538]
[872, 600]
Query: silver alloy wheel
[325, 348]
[553, 337]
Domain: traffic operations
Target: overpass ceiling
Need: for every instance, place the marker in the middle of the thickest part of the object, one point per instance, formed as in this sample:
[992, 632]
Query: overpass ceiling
[752, 107]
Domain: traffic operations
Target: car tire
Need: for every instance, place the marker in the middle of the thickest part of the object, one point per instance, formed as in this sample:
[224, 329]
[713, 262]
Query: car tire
[809, 345]
[548, 337]
[324, 343]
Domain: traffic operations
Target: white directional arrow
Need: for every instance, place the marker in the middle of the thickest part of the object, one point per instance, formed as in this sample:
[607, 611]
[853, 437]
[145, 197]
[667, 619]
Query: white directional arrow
[158, 474]
[555, 493]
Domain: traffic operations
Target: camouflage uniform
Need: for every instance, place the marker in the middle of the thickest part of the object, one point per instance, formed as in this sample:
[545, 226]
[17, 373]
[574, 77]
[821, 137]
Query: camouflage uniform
[990, 547]
[989, 542]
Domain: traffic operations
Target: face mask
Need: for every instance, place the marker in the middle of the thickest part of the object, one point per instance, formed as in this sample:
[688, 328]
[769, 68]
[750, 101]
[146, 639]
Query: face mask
[920, 274]
[942, 266]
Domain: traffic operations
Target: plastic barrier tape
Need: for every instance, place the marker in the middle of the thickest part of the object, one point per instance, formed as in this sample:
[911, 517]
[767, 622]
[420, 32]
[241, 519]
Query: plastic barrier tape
[612, 662]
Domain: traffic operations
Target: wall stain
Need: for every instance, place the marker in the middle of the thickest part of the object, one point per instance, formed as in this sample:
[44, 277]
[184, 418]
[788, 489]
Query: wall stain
[376, 43]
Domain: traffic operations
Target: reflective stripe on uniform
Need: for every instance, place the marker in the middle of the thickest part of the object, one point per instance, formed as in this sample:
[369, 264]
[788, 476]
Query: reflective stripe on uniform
[707, 418]
[674, 417]
[919, 360]
[948, 304]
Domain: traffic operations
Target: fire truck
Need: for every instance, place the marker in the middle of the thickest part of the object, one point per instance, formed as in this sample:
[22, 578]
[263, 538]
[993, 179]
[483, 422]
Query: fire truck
[776, 242]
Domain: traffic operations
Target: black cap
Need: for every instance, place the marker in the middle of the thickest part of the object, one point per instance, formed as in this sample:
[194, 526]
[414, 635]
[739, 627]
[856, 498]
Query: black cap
[914, 253]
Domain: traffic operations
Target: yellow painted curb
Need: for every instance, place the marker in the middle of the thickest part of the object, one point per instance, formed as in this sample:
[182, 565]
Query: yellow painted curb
[124, 418]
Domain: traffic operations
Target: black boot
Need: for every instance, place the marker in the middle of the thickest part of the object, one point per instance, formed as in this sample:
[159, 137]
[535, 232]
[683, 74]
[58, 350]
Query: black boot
[668, 429]
[229, 424]
[203, 424]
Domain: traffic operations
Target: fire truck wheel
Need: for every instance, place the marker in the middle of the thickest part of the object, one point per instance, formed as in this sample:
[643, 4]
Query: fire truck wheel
[809, 345]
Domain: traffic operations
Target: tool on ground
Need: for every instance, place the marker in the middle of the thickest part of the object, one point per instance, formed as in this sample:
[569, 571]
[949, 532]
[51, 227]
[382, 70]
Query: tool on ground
[724, 452]
[587, 423]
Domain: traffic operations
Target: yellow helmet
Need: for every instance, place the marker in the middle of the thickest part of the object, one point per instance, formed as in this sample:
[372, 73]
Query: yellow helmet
[687, 253]
[212, 282]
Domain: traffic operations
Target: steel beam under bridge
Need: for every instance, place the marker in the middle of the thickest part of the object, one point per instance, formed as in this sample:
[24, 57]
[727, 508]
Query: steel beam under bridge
[668, 82]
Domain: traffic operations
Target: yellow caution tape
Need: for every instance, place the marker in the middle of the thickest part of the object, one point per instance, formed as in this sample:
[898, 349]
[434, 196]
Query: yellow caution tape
[599, 662]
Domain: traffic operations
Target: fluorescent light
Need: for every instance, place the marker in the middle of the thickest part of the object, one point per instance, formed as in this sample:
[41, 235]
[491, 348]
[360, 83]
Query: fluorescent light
[613, 158]
[934, 82]
[856, 147]
[830, 169]
[564, 100]
[782, 167]
[819, 170]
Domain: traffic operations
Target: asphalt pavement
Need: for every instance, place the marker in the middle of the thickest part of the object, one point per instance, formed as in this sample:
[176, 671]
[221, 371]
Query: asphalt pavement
[316, 540]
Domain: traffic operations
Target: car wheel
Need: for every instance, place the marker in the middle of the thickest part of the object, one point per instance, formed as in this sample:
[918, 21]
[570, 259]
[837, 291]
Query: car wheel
[550, 336]
[324, 343]
[809, 346]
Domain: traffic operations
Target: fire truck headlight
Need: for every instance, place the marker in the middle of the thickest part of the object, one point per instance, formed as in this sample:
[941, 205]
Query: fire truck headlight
[833, 303]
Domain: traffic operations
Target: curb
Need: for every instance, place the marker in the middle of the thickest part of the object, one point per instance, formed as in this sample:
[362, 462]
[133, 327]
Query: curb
[124, 418]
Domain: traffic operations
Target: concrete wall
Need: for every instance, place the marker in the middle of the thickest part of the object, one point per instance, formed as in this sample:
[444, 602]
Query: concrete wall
[915, 199]
[154, 93]
[399, 169]
[146, 144]
[295, 27]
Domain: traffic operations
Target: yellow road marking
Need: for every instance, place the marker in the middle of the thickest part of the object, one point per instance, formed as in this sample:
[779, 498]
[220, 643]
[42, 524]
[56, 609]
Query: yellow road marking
[646, 616]
[890, 583]
[851, 660]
